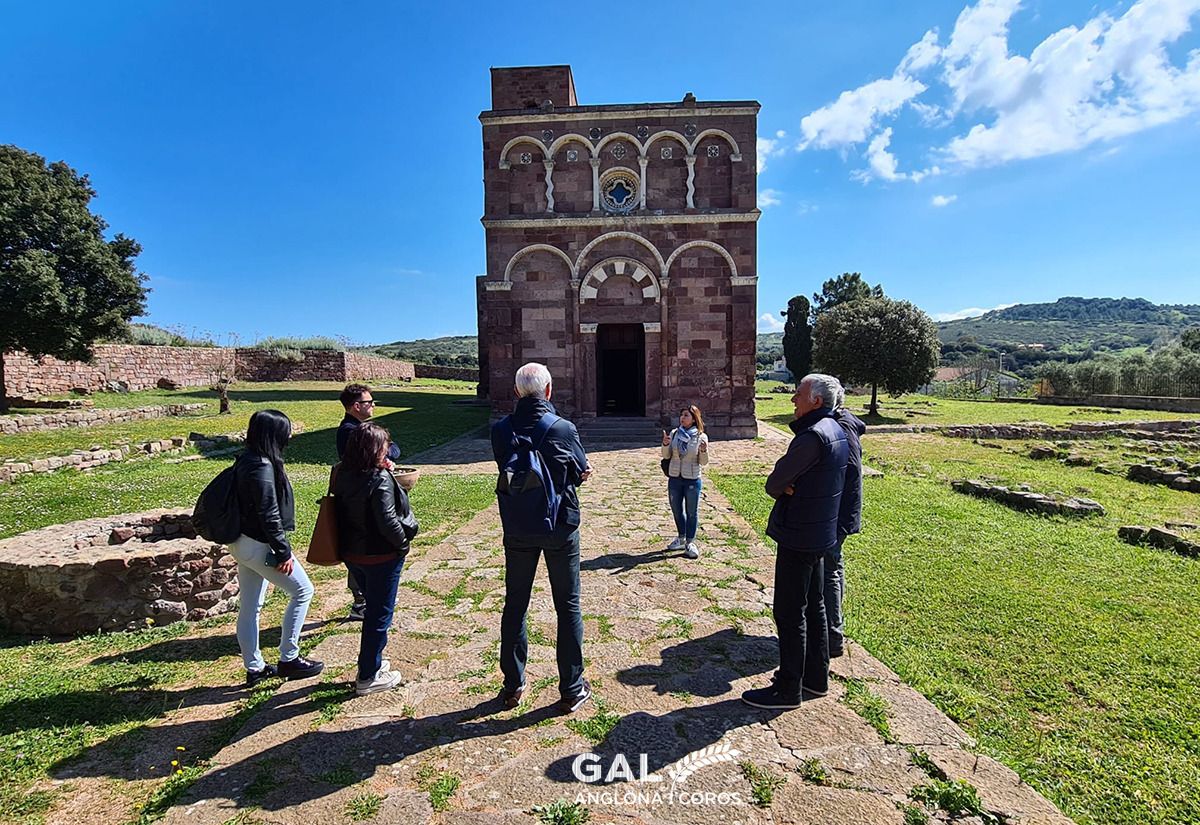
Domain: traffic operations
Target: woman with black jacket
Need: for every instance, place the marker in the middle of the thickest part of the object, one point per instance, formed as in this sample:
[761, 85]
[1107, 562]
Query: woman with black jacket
[375, 524]
[268, 511]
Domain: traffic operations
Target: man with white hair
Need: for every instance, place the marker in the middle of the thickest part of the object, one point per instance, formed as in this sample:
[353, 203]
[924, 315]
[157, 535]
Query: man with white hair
[541, 460]
[807, 487]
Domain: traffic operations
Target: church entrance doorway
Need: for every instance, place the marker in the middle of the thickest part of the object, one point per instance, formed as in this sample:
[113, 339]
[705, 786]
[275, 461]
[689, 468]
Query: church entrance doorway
[620, 369]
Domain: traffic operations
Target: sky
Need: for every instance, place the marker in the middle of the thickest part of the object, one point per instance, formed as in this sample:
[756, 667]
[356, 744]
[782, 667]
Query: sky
[307, 168]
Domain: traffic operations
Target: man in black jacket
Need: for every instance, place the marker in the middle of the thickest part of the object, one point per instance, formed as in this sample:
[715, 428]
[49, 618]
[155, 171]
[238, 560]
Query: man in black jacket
[807, 487]
[360, 406]
[849, 523]
[567, 465]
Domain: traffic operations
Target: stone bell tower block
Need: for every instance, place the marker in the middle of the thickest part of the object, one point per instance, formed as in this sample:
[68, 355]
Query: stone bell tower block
[621, 251]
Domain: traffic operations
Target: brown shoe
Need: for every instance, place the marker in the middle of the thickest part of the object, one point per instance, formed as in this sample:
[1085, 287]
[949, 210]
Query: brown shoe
[570, 704]
[512, 698]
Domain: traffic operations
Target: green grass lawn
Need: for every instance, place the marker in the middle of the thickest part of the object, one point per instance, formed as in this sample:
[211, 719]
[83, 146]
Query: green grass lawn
[417, 417]
[1070, 655]
[928, 410]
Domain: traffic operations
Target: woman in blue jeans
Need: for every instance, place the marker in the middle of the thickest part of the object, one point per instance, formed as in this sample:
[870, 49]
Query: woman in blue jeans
[687, 449]
[268, 513]
[375, 525]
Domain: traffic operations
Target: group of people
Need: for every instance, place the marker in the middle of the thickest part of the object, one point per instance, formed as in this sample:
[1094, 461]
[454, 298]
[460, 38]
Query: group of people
[816, 485]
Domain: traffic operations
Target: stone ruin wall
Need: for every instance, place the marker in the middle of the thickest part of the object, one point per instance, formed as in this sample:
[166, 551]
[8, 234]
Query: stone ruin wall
[113, 573]
[140, 367]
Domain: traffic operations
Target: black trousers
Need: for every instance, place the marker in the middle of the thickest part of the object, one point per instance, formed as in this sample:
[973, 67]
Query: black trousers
[800, 620]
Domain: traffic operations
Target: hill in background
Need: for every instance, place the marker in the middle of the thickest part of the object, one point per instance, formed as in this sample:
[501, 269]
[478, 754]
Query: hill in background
[449, 351]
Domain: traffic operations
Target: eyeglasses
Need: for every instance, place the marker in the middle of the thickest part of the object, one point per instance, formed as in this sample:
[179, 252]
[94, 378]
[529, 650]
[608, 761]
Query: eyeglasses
[370, 402]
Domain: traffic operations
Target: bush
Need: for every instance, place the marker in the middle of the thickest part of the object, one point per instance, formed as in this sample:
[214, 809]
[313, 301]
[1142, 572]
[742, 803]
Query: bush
[322, 342]
[155, 336]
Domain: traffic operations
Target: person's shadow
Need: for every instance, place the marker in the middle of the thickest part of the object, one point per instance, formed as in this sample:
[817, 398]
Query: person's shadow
[696, 668]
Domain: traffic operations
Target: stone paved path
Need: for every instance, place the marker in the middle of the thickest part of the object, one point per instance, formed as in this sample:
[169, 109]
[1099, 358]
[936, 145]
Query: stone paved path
[670, 645]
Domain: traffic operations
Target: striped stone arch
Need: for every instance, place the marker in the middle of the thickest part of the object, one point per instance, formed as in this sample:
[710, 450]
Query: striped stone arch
[601, 272]
[720, 250]
[537, 247]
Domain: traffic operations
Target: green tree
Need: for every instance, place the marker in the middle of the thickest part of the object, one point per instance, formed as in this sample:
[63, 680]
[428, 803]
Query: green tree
[797, 337]
[847, 287]
[62, 284]
[880, 342]
[1190, 339]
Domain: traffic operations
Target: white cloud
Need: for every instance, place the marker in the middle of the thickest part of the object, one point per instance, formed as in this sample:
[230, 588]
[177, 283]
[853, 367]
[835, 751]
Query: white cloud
[1109, 77]
[768, 198]
[769, 323]
[943, 200]
[765, 148]
[970, 312]
[853, 116]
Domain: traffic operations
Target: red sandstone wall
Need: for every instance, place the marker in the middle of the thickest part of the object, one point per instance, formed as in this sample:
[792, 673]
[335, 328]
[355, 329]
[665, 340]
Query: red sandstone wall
[451, 373]
[374, 368]
[138, 366]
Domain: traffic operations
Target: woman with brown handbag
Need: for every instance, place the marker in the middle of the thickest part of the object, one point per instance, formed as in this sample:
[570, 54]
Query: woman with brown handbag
[375, 525]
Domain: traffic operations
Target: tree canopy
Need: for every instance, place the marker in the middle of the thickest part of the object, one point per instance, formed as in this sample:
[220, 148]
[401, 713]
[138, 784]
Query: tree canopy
[849, 286]
[877, 342]
[63, 285]
[797, 337]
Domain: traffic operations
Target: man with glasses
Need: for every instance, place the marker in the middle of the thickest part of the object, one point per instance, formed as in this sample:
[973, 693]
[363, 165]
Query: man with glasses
[360, 406]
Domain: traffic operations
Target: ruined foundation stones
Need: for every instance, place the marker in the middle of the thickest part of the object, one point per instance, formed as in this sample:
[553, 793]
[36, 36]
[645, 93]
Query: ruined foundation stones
[113, 573]
[1175, 479]
[12, 424]
[1029, 501]
[1162, 538]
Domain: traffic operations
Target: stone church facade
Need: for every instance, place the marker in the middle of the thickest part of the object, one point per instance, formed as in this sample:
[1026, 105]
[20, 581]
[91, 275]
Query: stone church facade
[621, 251]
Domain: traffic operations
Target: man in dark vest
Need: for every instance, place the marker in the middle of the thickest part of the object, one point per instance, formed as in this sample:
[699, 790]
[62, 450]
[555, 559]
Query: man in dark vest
[849, 523]
[807, 487]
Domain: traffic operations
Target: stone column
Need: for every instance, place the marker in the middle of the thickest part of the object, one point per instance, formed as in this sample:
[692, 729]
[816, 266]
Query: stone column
[664, 338]
[587, 401]
[549, 164]
[595, 184]
[643, 161]
[653, 337]
[691, 181]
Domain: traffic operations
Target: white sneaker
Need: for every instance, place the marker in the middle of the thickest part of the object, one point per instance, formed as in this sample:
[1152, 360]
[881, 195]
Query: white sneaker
[678, 544]
[384, 680]
[692, 551]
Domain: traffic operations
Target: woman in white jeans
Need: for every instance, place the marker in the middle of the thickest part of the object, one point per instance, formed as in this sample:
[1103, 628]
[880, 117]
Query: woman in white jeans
[268, 512]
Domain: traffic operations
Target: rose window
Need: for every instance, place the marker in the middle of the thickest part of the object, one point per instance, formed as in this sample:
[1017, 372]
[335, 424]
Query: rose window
[619, 191]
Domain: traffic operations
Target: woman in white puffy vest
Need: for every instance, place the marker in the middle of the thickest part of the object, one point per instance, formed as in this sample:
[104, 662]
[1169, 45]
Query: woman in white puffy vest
[686, 447]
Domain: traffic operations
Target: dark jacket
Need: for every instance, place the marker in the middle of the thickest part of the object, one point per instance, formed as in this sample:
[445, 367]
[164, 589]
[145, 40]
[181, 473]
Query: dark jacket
[815, 468]
[350, 424]
[373, 514]
[562, 452]
[266, 504]
[850, 514]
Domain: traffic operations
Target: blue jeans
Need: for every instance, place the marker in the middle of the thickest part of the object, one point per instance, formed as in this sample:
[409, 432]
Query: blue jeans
[379, 583]
[254, 572]
[684, 494]
[520, 567]
[835, 591]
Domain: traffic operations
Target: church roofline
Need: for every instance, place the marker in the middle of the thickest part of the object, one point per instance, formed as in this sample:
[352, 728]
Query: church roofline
[613, 111]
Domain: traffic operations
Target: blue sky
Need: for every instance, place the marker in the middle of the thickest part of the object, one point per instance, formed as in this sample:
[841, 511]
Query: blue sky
[315, 168]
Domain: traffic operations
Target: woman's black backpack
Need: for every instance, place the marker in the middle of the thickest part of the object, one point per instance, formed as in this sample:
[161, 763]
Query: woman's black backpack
[216, 516]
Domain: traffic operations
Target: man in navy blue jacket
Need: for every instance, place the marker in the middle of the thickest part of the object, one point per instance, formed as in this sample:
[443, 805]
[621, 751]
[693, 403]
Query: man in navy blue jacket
[806, 484]
[568, 466]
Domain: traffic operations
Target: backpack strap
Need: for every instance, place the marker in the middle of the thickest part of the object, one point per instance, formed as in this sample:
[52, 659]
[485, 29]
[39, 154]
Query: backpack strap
[542, 428]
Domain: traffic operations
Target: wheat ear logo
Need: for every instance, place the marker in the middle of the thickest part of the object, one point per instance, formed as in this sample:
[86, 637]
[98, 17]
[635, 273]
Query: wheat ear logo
[703, 758]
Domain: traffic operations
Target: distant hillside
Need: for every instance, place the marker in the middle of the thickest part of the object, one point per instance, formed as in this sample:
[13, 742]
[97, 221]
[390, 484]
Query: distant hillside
[452, 351]
[1074, 325]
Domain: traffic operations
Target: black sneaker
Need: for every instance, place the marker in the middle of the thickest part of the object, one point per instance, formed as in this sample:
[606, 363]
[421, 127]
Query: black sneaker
[512, 698]
[300, 668]
[358, 612]
[836, 652]
[570, 704]
[807, 693]
[772, 698]
[253, 677]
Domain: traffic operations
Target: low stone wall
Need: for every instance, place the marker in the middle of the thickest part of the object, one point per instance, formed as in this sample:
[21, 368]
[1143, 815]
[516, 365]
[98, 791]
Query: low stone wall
[1182, 477]
[449, 373]
[136, 367]
[374, 368]
[315, 365]
[1080, 430]
[1162, 538]
[1022, 498]
[113, 573]
[1128, 402]
[11, 424]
